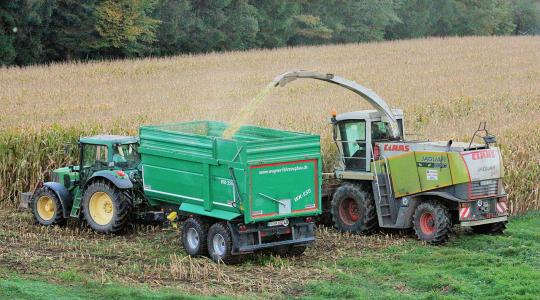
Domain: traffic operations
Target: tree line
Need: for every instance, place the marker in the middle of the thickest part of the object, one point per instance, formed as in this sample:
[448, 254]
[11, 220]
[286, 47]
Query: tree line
[43, 31]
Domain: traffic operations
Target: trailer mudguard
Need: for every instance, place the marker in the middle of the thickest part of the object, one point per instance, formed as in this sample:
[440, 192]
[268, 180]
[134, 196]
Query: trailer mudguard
[63, 194]
[215, 213]
[121, 182]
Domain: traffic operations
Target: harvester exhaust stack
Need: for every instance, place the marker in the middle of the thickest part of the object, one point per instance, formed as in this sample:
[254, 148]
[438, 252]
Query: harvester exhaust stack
[374, 99]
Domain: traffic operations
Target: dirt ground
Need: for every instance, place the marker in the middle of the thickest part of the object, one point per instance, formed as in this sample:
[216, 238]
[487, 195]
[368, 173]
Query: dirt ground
[154, 256]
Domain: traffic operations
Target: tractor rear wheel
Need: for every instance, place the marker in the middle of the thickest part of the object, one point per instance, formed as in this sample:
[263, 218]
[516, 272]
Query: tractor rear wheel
[432, 223]
[47, 207]
[493, 228]
[353, 210]
[194, 232]
[106, 208]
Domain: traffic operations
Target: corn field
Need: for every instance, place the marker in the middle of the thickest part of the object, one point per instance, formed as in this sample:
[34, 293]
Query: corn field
[445, 87]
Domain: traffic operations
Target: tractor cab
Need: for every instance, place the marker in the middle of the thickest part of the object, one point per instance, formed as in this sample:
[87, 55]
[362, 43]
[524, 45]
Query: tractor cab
[355, 134]
[106, 152]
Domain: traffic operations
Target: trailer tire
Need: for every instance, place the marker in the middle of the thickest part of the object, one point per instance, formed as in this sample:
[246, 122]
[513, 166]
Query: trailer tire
[493, 228]
[194, 236]
[431, 222]
[353, 210]
[220, 244]
[47, 207]
[106, 208]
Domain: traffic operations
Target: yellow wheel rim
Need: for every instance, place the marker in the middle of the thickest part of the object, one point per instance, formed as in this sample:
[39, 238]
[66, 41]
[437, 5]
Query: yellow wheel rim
[46, 207]
[101, 208]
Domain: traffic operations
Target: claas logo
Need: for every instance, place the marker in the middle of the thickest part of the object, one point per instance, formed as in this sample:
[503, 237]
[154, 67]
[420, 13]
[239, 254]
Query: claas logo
[396, 147]
[484, 154]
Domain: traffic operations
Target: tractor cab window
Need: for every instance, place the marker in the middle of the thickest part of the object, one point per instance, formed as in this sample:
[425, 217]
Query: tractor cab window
[353, 142]
[126, 156]
[95, 156]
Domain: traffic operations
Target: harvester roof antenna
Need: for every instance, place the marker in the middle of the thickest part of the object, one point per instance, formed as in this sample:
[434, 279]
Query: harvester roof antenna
[366, 93]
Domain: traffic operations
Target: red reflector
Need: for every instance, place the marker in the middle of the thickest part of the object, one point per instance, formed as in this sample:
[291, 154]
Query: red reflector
[263, 233]
[309, 219]
[287, 230]
[242, 228]
[121, 173]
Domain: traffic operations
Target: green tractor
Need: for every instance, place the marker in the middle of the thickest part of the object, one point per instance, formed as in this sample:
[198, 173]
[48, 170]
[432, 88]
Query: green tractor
[100, 187]
[386, 181]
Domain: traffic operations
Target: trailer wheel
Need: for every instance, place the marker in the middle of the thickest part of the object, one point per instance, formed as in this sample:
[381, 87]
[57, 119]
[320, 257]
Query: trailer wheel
[194, 232]
[105, 208]
[493, 228]
[220, 244]
[47, 208]
[353, 210]
[432, 223]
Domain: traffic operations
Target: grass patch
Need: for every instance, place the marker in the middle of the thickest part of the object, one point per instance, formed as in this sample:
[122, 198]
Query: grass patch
[471, 266]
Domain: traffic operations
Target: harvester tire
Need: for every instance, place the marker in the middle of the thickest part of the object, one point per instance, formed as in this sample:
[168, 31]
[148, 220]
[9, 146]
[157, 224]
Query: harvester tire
[220, 244]
[431, 222]
[353, 210]
[493, 228]
[106, 208]
[47, 207]
[194, 236]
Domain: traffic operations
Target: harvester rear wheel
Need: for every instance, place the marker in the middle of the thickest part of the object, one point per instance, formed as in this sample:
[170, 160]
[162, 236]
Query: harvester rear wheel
[105, 208]
[220, 244]
[353, 210]
[194, 233]
[493, 228]
[47, 207]
[432, 223]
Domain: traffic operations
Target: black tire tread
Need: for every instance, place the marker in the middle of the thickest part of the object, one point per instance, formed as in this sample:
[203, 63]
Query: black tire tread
[120, 199]
[493, 228]
[59, 217]
[223, 229]
[202, 228]
[368, 221]
[443, 222]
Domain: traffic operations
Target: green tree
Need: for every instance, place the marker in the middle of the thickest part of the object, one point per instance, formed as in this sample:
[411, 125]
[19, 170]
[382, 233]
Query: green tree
[242, 26]
[125, 27]
[276, 21]
[176, 22]
[526, 16]
[71, 32]
[8, 31]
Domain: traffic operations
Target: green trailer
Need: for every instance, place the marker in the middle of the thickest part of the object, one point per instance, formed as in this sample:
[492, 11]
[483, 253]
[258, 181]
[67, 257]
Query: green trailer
[260, 189]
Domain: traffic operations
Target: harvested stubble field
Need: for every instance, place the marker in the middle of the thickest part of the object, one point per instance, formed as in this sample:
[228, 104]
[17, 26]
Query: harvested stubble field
[445, 86]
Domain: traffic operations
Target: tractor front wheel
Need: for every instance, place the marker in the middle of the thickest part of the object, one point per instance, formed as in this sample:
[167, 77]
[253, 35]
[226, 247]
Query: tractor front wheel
[47, 207]
[105, 207]
[493, 228]
[432, 223]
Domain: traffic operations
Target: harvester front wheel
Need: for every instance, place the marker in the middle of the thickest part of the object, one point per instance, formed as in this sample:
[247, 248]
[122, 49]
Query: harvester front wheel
[432, 223]
[220, 244]
[353, 210]
[47, 207]
[105, 208]
[493, 228]
[194, 233]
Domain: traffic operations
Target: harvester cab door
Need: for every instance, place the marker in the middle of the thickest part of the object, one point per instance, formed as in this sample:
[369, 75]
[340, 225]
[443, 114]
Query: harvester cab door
[354, 145]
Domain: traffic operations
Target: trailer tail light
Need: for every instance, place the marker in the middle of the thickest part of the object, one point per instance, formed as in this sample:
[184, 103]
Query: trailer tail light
[376, 152]
[309, 219]
[464, 211]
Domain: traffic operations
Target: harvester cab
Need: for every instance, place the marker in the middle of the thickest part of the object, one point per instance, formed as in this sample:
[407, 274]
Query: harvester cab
[386, 181]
